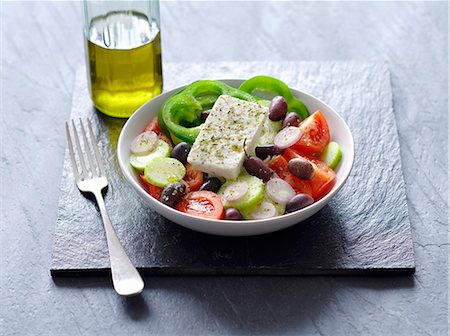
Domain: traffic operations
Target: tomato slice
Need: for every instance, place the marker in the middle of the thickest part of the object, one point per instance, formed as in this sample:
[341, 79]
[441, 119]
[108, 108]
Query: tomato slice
[153, 190]
[202, 203]
[165, 138]
[279, 165]
[153, 126]
[316, 134]
[323, 178]
[323, 175]
[290, 154]
[193, 177]
[300, 186]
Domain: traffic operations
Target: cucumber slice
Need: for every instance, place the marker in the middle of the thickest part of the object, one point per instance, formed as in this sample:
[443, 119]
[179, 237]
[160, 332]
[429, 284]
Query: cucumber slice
[161, 149]
[269, 130]
[280, 208]
[163, 171]
[331, 155]
[264, 102]
[264, 211]
[252, 197]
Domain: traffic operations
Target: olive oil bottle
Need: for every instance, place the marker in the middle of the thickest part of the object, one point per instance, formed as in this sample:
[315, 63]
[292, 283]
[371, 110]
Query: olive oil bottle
[123, 51]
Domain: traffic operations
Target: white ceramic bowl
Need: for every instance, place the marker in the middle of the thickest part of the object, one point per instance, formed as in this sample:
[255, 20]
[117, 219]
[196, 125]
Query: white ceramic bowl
[339, 133]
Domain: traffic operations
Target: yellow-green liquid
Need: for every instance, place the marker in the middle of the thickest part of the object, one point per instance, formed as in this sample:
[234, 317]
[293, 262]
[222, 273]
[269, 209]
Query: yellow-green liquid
[124, 57]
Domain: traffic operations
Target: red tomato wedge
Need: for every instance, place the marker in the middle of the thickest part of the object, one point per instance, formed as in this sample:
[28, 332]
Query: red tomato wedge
[202, 203]
[323, 178]
[193, 177]
[165, 138]
[300, 186]
[154, 126]
[323, 175]
[290, 154]
[153, 190]
[279, 165]
[316, 134]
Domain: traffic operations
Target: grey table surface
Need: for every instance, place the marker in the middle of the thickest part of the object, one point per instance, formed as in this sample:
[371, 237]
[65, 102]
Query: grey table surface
[41, 46]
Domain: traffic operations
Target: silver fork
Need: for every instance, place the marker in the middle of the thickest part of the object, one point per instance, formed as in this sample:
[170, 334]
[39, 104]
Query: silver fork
[126, 279]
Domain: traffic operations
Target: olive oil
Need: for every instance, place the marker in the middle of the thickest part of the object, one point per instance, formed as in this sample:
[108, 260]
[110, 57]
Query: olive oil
[124, 58]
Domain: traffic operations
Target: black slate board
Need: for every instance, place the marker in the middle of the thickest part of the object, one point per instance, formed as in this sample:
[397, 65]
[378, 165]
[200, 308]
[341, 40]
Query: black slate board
[364, 229]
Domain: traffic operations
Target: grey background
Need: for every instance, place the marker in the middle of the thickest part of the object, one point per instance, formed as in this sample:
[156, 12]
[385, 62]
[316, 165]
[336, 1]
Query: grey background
[41, 46]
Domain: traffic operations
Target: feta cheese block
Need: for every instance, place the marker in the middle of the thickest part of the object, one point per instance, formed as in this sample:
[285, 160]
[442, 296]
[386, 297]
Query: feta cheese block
[219, 147]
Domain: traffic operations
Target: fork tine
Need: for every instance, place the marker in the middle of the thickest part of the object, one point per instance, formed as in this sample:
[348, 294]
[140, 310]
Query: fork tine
[88, 150]
[71, 154]
[97, 153]
[84, 173]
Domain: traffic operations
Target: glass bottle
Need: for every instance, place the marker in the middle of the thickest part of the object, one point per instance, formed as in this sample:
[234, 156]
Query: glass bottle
[123, 54]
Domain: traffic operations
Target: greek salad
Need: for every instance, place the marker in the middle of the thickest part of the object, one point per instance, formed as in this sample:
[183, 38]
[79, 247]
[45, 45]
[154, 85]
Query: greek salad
[224, 153]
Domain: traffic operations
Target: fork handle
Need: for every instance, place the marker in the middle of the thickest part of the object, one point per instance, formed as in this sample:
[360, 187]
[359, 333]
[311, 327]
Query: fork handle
[126, 279]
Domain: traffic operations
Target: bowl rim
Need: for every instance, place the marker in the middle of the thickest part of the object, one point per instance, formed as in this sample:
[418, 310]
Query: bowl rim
[226, 222]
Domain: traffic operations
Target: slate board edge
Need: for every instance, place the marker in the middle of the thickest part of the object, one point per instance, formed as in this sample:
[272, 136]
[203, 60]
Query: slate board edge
[247, 271]
[397, 139]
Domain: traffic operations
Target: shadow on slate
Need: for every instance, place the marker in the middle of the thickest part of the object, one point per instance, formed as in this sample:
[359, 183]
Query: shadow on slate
[364, 230]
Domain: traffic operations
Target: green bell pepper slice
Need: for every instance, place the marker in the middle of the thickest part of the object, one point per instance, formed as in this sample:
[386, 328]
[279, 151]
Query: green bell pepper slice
[180, 114]
[267, 83]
